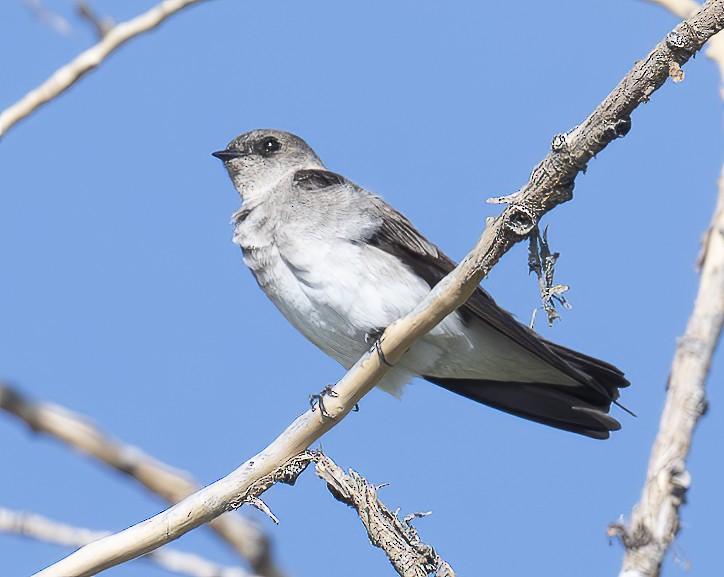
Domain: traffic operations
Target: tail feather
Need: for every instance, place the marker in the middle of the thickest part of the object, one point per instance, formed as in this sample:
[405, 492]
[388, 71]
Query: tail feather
[605, 375]
[581, 408]
[561, 406]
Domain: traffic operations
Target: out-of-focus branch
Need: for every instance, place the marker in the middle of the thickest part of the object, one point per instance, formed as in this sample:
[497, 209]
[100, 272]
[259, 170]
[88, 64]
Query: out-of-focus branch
[715, 47]
[44, 14]
[65, 77]
[102, 26]
[550, 185]
[680, 8]
[44, 529]
[397, 538]
[171, 484]
[655, 520]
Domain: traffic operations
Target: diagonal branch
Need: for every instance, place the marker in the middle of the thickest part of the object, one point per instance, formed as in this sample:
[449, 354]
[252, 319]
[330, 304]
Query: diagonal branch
[171, 484]
[49, 17]
[655, 520]
[684, 9]
[44, 529]
[397, 538]
[550, 185]
[65, 77]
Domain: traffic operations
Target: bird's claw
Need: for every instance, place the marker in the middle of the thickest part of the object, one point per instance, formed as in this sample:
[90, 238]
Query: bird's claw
[374, 336]
[318, 400]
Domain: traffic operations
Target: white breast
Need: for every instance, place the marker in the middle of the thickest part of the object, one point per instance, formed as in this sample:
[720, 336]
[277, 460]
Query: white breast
[336, 293]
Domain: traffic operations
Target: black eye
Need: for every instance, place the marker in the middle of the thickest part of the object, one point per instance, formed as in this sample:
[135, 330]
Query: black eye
[268, 146]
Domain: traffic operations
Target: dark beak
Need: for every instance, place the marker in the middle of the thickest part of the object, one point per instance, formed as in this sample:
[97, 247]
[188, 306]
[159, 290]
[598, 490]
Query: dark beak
[227, 154]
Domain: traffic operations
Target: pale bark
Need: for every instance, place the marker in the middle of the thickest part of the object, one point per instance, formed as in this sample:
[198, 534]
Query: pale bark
[65, 77]
[551, 184]
[43, 529]
[655, 520]
[49, 17]
[169, 483]
[396, 537]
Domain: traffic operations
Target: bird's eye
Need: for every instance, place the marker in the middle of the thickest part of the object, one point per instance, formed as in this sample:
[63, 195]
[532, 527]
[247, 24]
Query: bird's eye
[269, 146]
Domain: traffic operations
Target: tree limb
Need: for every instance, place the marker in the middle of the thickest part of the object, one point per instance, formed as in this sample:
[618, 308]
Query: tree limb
[715, 50]
[398, 539]
[655, 520]
[551, 184]
[65, 77]
[171, 484]
[47, 16]
[44, 529]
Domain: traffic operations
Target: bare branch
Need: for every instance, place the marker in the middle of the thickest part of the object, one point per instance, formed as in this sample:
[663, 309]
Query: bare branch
[65, 77]
[171, 484]
[715, 47]
[397, 538]
[680, 8]
[102, 26]
[44, 529]
[655, 520]
[47, 16]
[550, 185]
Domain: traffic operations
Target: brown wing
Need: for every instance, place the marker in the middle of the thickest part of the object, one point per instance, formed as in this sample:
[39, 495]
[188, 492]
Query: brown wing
[397, 236]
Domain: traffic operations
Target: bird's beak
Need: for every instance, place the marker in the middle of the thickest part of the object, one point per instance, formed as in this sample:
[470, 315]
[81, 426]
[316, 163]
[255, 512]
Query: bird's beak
[227, 154]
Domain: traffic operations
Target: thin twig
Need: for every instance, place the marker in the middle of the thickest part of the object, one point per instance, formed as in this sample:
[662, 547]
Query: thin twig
[43, 529]
[542, 262]
[397, 538]
[550, 185]
[171, 484]
[48, 16]
[655, 520]
[65, 77]
[102, 26]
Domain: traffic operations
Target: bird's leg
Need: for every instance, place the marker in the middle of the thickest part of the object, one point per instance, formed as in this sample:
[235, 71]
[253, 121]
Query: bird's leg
[374, 336]
[318, 400]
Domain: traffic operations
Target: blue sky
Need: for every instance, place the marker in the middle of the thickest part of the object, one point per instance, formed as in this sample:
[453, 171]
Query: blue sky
[123, 298]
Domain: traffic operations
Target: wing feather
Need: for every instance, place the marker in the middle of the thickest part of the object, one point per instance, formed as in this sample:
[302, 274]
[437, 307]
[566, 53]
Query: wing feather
[397, 236]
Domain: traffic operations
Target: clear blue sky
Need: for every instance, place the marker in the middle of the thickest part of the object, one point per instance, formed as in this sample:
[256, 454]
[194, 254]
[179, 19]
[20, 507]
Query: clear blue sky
[122, 296]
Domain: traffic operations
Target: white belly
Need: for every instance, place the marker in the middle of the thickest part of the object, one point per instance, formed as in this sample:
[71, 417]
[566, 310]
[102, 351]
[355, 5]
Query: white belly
[336, 294]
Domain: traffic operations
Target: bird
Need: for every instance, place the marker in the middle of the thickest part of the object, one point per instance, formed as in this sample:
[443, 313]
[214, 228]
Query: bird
[341, 265]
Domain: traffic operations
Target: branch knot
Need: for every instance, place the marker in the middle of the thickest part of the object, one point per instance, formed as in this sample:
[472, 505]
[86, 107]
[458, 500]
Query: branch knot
[520, 220]
[617, 129]
[559, 143]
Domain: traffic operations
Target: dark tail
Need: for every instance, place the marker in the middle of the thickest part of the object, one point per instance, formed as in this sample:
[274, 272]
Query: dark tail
[581, 409]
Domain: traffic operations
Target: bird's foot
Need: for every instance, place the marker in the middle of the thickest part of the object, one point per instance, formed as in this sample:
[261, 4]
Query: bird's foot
[374, 336]
[318, 400]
